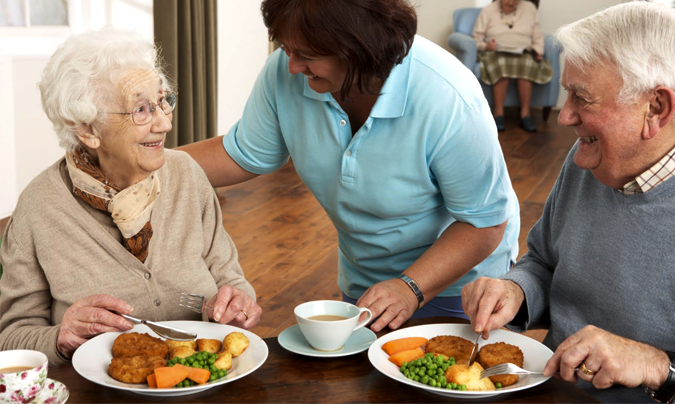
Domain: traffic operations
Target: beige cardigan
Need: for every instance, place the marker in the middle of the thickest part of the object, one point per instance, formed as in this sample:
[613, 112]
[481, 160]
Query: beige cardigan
[58, 249]
[525, 33]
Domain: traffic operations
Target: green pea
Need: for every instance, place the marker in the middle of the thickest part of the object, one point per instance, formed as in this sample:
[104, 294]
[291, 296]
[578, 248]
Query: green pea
[498, 385]
[432, 383]
[212, 378]
[431, 372]
[425, 379]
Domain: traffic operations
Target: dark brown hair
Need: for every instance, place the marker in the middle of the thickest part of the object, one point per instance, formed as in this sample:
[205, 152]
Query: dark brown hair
[370, 36]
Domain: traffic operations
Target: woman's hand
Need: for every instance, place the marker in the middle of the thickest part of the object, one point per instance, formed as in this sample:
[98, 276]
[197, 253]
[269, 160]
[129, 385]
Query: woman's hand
[233, 306]
[612, 360]
[89, 317]
[491, 45]
[537, 56]
[490, 303]
[391, 300]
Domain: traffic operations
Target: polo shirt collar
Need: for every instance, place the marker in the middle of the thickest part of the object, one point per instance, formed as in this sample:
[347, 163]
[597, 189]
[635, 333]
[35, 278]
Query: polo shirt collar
[394, 94]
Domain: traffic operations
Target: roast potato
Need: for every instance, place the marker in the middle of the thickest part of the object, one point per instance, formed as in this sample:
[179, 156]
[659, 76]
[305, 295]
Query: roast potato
[469, 376]
[224, 360]
[235, 343]
[209, 345]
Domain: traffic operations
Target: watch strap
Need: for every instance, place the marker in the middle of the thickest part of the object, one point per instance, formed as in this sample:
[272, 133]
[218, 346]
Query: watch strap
[414, 287]
[666, 393]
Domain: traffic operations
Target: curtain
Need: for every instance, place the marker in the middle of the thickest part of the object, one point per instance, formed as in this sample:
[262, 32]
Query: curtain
[185, 34]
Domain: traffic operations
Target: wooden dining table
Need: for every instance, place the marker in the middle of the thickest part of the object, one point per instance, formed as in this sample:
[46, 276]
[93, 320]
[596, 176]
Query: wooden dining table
[286, 377]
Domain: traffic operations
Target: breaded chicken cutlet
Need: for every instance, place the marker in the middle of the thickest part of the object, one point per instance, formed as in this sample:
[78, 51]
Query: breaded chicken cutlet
[134, 369]
[500, 352]
[452, 347]
[136, 344]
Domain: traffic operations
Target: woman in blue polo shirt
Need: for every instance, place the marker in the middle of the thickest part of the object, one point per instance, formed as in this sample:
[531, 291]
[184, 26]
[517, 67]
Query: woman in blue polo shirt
[394, 138]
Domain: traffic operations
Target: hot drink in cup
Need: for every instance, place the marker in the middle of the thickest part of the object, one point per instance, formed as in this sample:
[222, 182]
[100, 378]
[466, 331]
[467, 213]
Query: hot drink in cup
[22, 375]
[328, 324]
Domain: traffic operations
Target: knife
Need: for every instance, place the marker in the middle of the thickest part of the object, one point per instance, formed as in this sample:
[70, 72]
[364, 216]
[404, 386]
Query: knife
[474, 351]
[165, 331]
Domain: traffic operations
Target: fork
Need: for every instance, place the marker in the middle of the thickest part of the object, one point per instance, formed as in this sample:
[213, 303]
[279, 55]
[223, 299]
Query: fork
[194, 302]
[506, 369]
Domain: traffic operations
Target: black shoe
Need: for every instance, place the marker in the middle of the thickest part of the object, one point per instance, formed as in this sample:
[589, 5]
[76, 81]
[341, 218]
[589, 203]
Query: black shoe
[501, 124]
[528, 124]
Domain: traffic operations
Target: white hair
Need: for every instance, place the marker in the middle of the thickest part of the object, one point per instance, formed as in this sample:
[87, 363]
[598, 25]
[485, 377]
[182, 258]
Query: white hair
[80, 77]
[638, 38]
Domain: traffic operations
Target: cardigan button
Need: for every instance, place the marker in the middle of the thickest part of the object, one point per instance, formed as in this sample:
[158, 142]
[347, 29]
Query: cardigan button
[157, 302]
[147, 275]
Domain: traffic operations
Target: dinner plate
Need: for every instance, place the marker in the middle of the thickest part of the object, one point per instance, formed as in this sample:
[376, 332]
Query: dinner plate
[53, 392]
[535, 356]
[91, 360]
[292, 340]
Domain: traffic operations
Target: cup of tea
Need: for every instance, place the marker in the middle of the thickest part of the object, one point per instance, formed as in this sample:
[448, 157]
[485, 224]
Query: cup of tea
[328, 324]
[22, 375]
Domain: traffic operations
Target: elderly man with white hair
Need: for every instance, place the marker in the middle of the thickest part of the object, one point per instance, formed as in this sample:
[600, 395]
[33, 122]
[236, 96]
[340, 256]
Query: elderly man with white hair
[117, 224]
[600, 271]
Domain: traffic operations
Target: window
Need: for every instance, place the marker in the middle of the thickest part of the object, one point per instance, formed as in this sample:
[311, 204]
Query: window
[33, 13]
[37, 27]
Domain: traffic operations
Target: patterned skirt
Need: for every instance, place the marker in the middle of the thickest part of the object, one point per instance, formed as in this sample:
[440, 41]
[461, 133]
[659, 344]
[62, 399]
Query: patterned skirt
[497, 65]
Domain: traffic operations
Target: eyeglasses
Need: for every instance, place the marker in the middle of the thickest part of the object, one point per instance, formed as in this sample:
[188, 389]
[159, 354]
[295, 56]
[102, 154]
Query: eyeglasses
[143, 115]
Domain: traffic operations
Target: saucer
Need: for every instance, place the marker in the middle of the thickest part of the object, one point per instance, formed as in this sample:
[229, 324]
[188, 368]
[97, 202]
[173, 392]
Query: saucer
[54, 392]
[292, 340]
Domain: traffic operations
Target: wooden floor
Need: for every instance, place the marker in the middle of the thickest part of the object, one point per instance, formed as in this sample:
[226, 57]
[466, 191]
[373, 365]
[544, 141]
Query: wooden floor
[287, 245]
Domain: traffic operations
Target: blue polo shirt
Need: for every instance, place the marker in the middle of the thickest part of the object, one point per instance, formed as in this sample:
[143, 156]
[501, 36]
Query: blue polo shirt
[427, 155]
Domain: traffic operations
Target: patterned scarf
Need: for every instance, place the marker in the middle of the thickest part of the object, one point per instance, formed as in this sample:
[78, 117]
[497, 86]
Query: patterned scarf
[130, 208]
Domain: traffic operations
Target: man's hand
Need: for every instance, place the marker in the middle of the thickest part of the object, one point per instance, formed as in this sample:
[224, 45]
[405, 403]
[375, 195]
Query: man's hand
[490, 303]
[611, 359]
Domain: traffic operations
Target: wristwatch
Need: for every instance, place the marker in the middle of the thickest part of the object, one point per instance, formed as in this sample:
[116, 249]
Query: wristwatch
[666, 394]
[415, 289]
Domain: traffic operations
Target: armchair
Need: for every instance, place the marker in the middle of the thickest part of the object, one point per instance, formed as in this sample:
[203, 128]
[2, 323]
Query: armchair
[464, 48]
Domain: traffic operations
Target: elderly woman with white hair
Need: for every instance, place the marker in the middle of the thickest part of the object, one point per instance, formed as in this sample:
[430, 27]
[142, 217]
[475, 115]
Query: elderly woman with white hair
[119, 223]
[600, 270]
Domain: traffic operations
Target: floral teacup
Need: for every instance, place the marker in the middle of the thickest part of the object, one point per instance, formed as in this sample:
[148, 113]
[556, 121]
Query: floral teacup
[22, 375]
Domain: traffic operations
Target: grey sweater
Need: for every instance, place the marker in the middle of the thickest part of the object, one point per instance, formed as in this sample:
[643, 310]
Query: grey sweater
[58, 249]
[599, 257]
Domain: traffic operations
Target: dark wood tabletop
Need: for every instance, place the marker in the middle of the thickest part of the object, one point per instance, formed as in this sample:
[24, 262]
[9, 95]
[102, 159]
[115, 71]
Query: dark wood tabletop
[286, 377]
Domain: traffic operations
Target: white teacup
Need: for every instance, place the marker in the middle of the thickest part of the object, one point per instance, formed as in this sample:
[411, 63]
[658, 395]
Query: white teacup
[22, 375]
[328, 324]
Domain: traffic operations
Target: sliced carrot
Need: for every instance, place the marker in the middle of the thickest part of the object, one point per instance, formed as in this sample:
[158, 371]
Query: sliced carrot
[152, 380]
[406, 356]
[169, 376]
[197, 375]
[403, 344]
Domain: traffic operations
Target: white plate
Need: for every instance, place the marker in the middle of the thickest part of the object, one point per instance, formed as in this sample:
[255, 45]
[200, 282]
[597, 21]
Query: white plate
[535, 356]
[292, 340]
[54, 392]
[92, 359]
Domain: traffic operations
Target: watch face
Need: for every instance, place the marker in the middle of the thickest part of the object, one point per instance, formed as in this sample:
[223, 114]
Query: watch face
[666, 393]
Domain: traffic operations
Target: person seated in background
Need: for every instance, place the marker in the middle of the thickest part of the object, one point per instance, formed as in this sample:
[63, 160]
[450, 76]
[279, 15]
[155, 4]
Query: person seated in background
[600, 270]
[118, 223]
[511, 46]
